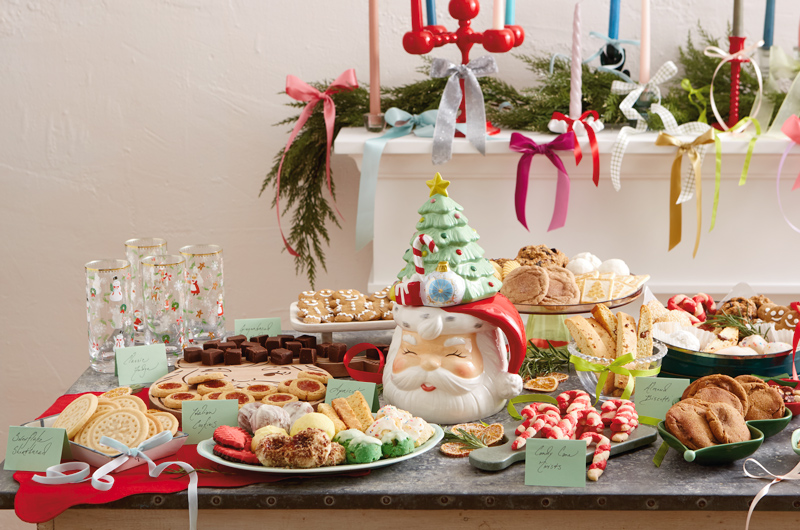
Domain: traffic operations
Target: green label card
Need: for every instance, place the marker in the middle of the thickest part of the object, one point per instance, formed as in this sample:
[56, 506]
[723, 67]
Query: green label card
[35, 448]
[560, 463]
[655, 395]
[252, 327]
[200, 418]
[342, 388]
[141, 365]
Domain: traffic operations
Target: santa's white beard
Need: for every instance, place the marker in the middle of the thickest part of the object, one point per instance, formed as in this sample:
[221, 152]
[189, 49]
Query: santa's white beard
[455, 400]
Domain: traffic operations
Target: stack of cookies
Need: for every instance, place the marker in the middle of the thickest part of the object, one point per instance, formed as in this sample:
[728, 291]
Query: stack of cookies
[713, 410]
[345, 305]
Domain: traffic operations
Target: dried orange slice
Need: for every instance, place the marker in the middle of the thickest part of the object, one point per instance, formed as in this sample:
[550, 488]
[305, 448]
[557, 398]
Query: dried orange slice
[116, 392]
[472, 428]
[454, 449]
[542, 384]
[492, 434]
[560, 377]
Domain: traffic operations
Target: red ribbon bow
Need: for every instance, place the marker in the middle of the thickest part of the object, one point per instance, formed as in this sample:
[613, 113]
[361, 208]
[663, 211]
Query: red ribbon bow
[791, 128]
[592, 140]
[302, 91]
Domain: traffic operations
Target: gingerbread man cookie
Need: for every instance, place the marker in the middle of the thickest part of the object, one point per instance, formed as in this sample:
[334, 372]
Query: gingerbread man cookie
[382, 305]
[353, 306]
[314, 311]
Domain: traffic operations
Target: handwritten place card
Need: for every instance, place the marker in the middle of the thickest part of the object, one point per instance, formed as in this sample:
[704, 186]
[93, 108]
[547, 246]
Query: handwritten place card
[252, 327]
[655, 395]
[560, 463]
[35, 448]
[342, 388]
[141, 365]
[200, 418]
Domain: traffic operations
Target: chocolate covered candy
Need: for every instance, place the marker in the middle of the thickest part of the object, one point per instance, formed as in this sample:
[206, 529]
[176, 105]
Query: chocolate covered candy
[336, 352]
[192, 354]
[308, 355]
[212, 356]
[233, 356]
[281, 356]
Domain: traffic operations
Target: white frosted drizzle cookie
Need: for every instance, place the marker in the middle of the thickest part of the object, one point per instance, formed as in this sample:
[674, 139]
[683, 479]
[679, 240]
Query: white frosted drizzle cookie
[130, 402]
[128, 426]
[76, 414]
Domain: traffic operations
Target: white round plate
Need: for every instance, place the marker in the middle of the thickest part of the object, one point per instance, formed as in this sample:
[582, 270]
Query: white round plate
[206, 449]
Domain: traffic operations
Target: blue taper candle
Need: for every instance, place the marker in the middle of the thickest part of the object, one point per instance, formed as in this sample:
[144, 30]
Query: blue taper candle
[510, 15]
[613, 20]
[430, 6]
[769, 24]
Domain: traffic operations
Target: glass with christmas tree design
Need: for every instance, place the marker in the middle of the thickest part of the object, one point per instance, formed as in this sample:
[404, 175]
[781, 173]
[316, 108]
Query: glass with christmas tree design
[163, 300]
[135, 250]
[108, 311]
[204, 313]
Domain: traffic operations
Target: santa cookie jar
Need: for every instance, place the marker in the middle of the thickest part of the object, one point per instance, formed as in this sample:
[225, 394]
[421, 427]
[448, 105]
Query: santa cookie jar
[458, 346]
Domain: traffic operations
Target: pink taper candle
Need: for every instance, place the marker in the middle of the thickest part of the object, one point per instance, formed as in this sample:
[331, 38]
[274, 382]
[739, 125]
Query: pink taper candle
[499, 14]
[644, 61]
[374, 60]
[575, 80]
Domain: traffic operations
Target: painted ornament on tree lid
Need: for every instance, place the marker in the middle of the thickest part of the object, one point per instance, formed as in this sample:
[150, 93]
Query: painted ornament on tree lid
[443, 287]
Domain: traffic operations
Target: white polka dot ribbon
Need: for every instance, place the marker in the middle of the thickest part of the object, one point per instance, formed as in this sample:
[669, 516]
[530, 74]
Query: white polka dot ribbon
[101, 479]
[794, 474]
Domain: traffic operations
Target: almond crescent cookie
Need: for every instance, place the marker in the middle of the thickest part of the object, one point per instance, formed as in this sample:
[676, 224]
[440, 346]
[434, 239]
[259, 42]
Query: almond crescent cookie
[76, 414]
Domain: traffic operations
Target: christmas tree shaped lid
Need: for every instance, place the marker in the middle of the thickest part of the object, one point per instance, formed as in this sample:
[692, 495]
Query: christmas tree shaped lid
[444, 264]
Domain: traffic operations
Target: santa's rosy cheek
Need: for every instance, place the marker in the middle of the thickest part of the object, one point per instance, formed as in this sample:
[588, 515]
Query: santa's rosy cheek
[401, 363]
[465, 370]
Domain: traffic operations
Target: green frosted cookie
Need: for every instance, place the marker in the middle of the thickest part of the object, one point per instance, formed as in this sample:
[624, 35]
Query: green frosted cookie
[396, 443]
[359, 448]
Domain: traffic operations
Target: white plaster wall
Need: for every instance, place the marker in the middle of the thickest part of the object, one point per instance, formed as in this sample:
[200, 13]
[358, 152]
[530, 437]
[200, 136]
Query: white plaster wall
[154, 118]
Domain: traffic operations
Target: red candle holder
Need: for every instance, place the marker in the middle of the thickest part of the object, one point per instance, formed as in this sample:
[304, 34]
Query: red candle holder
[424, 40]
[736, 45]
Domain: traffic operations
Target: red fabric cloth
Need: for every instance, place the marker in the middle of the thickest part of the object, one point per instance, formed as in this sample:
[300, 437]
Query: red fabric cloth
[37, 503]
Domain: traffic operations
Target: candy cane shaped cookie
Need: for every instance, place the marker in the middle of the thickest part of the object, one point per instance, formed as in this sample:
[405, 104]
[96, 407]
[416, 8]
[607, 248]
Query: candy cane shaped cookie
[609, 410]
[540, 423]
[423, 240]
[535, 409]
[572, 400]
[564, 429]
[589, 420]
[601, 454]
[625, 421]
[551, 411]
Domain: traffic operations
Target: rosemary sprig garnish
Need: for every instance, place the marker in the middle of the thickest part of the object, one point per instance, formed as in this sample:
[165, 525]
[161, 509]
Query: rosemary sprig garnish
[467, 439]
[742, 324]
[540, 361]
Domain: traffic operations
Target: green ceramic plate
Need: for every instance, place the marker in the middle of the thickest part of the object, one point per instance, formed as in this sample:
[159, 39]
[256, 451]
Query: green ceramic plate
[795, 441]
[772, 427]
[716, 454]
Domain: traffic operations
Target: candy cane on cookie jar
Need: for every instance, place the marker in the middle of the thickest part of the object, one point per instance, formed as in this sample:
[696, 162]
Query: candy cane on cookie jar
[601, 454]
[423, 240]
[573, 400]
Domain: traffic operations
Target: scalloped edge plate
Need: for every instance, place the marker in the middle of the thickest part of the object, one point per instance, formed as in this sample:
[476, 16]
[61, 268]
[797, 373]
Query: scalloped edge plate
[571, 309]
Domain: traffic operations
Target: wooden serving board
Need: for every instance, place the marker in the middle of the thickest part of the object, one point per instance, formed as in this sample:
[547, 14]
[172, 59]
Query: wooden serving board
[501, 456]
[241, 376]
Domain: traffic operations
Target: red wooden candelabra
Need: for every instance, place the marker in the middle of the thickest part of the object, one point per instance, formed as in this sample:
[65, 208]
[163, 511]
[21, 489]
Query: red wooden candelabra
[423, 39]
[736, 45]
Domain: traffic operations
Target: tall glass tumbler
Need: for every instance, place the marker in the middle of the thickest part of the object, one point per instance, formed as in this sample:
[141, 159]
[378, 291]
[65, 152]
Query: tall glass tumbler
[135, 250]
[204, 314]
[108, 310]
[164, 300]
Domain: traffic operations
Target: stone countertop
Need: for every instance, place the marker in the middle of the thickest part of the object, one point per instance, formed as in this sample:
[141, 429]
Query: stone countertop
[433, 481]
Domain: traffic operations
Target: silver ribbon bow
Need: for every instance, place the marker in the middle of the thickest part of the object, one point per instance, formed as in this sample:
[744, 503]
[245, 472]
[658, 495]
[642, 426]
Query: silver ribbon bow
[451, 99]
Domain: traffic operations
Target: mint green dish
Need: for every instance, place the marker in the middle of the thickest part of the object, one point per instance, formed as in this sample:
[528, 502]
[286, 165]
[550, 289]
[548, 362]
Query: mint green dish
[772, 427]
[795, 441]
[716, 454]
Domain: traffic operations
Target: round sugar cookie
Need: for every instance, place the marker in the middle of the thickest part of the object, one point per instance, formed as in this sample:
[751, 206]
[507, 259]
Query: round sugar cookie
[105, 405]
[130, 402]
[128, 426]
[83, 436]
[76, 414]
[307, 389]
[203, 377]
[242, 396]
[316, 376]
[279, 399]
[153, 426]
[283, 386]
[175, 401]
[166, 388]
[259, 391]
[215, 385]
[168, 421]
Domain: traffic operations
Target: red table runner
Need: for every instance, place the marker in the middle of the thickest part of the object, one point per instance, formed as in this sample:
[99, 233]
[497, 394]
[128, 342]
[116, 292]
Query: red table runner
[37, 503]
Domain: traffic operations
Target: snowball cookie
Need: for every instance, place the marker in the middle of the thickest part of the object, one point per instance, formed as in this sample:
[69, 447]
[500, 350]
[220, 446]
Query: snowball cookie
[246, 414]
[617, 266]
[776, 347]
[588, 256]
[296, 409]
[756, 342]
[684, 339]
[526, 285]
[579, 266]
[270, 415]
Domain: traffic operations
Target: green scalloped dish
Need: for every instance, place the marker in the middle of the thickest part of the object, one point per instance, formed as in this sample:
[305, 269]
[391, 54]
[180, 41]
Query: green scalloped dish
[772, 427]
[716, 454]
[795, 441]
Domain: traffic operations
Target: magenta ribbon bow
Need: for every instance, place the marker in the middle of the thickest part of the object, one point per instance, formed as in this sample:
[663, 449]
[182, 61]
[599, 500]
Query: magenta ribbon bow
[529, 148]
[302, 91]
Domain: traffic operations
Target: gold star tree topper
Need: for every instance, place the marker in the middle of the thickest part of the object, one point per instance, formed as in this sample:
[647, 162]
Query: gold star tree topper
[438, 185]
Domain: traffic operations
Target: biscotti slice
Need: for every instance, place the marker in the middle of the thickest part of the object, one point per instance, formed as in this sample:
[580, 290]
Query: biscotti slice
[626, 343]
[361, 409]
[659, 312]
[644, 337]
[345, 412]
[338, 424]
[587, 339]
[606, 318]
[609, 341]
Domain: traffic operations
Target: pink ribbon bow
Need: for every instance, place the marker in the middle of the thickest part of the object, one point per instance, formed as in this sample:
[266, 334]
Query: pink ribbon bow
[529, 148]
[791, 128]
[302, 91]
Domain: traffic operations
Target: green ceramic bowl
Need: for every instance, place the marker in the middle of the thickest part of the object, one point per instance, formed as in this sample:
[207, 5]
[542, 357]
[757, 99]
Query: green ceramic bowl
[772, 427]
[716, 454]
[681, 362]
[795, 441]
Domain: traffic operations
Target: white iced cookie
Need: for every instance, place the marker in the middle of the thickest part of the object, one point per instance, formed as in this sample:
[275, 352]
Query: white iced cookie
[591, 258]
[617, 266]
[579, 266]
[776, 347]
[755, 342]
[684, 339]
[736, 350]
